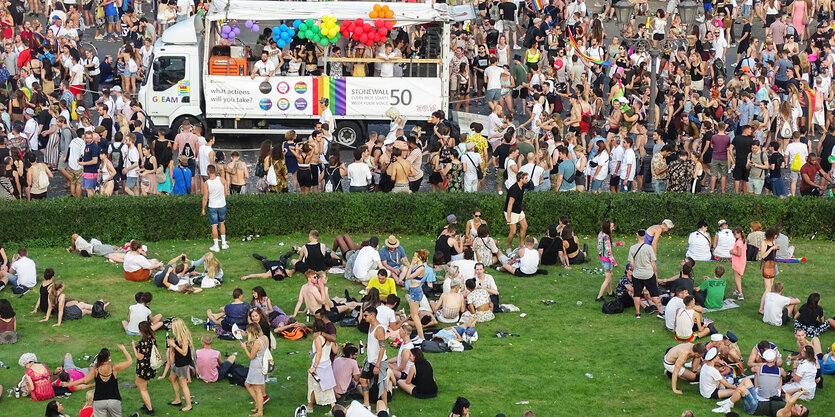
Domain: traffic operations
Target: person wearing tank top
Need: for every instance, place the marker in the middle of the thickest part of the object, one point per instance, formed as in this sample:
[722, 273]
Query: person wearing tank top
[376, 363]
[214, 195]
[107, 402]
[311, 255]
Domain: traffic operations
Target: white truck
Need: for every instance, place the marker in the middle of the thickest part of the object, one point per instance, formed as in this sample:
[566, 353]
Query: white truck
[189, 79]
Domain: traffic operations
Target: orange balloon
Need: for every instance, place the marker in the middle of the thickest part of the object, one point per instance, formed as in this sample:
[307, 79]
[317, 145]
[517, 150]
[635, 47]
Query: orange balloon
[373, 14]
[377, 7]
[389, 14]
[385, 7]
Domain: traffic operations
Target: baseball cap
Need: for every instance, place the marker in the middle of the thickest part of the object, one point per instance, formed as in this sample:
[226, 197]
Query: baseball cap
[451, 218]
[116, 89]
[769, 355]
[711, 354]
[623, 100]
[29, 112]
[668, 223]
[723, 221]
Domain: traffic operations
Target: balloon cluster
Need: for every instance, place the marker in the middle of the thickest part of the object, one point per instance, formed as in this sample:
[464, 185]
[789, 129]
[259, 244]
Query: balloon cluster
[329, 30]
[230, 32]
[321, 35]
[252, 25]
[381, 12]
[365, 32]
[282, 35]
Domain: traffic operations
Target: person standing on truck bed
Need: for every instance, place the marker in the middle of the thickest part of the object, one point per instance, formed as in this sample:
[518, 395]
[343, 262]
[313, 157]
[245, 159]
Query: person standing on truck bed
[327, 115]
[185, 143]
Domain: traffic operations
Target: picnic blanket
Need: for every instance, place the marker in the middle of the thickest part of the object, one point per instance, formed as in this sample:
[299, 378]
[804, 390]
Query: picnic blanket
[792, 260]
[726, 305]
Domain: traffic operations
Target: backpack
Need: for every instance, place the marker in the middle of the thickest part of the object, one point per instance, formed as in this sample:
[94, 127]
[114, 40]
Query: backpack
[98, 311]
[156, 359]
[613, 307]
[43, 179]
[494, 12]
[295, 333]
[187, 151]
[797, 163]
[431, 346]
[267, 362]
[719, 68]
[117, 157]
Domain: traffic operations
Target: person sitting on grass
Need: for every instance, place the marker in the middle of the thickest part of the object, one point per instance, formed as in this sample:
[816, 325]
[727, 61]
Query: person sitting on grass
[712, 384]
[420, 380]
[571, 247]
[346, 372]
[211, 268]
[757, 356]
[450, 305]
[95, 248]
[66, 308]
[480, 309]
[714, 289]
[276, 270]
[137, 267]
[526, 261]
[777, 308]
[313, 256]
[689, 324]
[551, 250]
[35, 383]
[677, 356]
[8, 323]
[140, 312]
[804, 374]
[810, 317]
[232, 313]
[729, 352]
[43, 291]
[383, 283]
[209, 366]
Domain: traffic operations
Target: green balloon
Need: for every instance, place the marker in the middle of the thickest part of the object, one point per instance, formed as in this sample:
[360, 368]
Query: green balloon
[316, 38]
[302, 27]
[323, 41]
[308, 34]
[316, 29]
[333, 39]
[302, 35]
[309, 22]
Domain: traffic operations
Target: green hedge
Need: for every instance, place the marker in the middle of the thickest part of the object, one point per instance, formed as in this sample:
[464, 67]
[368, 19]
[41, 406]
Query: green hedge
[117, 219]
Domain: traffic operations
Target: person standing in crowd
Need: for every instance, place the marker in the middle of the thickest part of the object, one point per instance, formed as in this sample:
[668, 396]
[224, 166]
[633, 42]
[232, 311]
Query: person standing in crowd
[214, 196]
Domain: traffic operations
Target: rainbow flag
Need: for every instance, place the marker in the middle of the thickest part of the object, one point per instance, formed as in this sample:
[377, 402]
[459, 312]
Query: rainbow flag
[537, 5]
[332, 89]
[584, 56]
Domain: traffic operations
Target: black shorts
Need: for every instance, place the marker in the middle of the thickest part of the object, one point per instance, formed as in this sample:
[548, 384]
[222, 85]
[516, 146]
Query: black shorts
[657, 36]
[519, 273]
[715, 394]
[740, 173]
[236, 189]
[651, 285]
[575, 129]
[614, 181]
[314, 175]
[520, 93]
[305, 177]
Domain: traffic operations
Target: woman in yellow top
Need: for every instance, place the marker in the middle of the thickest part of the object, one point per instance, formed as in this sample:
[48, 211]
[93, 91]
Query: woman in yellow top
[532, 55]
[360, 51]
[481, 143]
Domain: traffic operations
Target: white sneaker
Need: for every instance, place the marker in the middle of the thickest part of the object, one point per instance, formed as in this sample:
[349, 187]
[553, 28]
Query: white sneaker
[723, 409]
[224, 246]
[214, 248]
[740, 297]
[723, 402]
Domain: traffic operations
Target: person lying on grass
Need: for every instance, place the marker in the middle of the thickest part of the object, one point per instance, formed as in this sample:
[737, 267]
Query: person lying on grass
[677, 356]
[276, 270]
[95, 247]
[66, 308]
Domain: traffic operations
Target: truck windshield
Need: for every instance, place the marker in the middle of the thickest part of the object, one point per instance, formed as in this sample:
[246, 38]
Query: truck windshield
[168, 71]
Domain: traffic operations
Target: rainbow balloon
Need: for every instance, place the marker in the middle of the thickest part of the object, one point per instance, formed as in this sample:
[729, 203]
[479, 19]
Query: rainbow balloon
[584, 56]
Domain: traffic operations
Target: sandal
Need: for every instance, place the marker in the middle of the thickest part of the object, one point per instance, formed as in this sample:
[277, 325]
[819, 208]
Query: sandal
[173, 404]
[184, 409]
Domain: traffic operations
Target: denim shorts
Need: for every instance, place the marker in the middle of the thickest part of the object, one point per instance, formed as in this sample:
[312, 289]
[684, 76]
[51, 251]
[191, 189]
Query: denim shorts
[112, 18]
[597, 185]
[607, 266]
[750, 401]
[493, 94]
[217, 215]
[131, 182]
[130, 333]
[416, 293]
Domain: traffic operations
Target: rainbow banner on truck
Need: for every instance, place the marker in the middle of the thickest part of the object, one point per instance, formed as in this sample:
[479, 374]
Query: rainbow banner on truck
[333, 89]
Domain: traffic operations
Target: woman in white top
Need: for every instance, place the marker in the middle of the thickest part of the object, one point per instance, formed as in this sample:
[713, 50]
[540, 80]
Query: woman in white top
[659, 26]
[803, 377]
[397, 122]
[137, 267]
[698, 244]
[320, 379]
[511, 168]
[600, 168]
[723, 242]
[503, 51]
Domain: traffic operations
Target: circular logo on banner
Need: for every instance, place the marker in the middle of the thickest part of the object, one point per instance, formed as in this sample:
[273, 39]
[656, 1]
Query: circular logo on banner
[282, 104]
[300, 87]
[265, 104]
[301, 104]
[282, 87]
[265, 88]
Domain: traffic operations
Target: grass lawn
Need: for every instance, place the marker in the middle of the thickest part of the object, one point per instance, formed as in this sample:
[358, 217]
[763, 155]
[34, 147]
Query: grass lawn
[558, 344]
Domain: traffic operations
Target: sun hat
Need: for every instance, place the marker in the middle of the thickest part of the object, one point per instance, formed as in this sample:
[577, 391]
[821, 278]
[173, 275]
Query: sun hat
[26, 358]
[392, 242]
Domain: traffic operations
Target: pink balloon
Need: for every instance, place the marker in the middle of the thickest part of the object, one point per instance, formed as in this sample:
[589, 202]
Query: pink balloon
[379, 23]
[359, 30]
[389, 25]
[359, 22]
[364, 38]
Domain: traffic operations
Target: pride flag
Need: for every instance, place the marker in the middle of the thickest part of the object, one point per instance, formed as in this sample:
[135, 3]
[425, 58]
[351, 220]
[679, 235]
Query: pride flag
[332, 89]
[579, 52]
[537, 5]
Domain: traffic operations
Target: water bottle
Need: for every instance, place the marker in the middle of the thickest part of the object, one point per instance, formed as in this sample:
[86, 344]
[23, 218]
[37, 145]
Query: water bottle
[3, 364]
[307, 316]
[362, 348]
[272, 379]
[589, 376]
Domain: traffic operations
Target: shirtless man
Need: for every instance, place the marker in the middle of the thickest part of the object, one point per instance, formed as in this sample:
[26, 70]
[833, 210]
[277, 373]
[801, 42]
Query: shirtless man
[314, 295]
[449, 307]
[755, 358]
[677, 356]
[236, 174]
[729, 352]
[399, 171]
[615, 118]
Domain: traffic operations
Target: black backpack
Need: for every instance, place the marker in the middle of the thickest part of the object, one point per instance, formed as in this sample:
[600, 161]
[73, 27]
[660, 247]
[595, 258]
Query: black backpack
[98, 311]
[613, 307]
[148, 127]
[187, 151]
[117, 157]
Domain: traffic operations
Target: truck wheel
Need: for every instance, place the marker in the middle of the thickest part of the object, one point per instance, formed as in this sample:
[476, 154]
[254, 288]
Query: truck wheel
[348, 134]
[177, 126]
